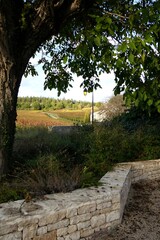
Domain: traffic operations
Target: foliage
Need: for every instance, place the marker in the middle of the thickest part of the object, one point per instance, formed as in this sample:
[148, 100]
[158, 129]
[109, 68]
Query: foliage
[10, 193]
[138, 66]
[46, 175]
[115, 106]
[42, 103]
[122, 37]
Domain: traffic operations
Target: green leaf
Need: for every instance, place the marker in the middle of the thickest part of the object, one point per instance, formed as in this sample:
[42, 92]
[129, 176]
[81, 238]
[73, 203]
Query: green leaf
[149, 39]
[158, 108]
[149, 102]
[123, 47]
[65, 59]
[143, 56]
[131, 58]
[108, 20]
[132, 45]
[145, 96]
[97, 41]
[119, 63]
[136, 102]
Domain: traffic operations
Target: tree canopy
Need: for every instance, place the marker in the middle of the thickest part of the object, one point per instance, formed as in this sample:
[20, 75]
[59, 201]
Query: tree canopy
[119, 36]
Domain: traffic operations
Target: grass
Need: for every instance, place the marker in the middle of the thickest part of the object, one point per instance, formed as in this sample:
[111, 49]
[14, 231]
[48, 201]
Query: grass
[30, 118]
[38, 118]
[46, 162]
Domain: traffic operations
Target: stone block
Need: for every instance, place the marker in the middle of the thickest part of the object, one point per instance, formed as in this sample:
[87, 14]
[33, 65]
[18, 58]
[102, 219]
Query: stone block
[80, 218]
[61, 224]
[29, 231]
[42, 230]
[103, 204]
[62, 232]
[48, 219]
[62, 214]
[71, 212]
[98, 220]
[72, 228]
[73, 236]
[87, 208]
[8, 228]
[12, 236]
[83, 225]
[86, 232]
[114, 215]
[49, 236]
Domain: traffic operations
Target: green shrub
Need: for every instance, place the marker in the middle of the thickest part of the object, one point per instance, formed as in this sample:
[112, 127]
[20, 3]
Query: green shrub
[47, 176]
[10, 193]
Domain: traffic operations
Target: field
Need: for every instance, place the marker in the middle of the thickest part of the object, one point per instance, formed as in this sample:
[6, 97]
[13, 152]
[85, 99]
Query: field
[28, 118]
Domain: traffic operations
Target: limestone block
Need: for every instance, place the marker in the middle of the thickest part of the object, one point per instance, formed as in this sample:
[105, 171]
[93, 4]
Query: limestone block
[27, 221]
[80, 218]
[49, 236]
[101, 211]
[42, 230]
[83, 225]
[12, 236]
[62, 232]
[57, 225]
[71, 212]
[96, 229]
[29, 231]
[48, 219]
[62, 214]
[86, 232]
[115, 196]
[73, 236]
[103, 204]
[8, 228]
[72, 228]
[98, 220]
[115, 206]
[114, 215]
[60, 238]
[87, 208]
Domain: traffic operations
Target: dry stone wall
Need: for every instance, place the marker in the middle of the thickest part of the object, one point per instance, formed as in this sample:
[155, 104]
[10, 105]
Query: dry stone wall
[75, 215]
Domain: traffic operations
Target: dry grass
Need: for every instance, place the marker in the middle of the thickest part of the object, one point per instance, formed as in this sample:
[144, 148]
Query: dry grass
[31, 118]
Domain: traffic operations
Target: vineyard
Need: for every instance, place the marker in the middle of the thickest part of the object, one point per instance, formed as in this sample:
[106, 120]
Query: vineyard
[29, 118]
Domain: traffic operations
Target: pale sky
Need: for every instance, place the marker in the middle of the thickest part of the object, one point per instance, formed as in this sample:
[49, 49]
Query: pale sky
[34, 86]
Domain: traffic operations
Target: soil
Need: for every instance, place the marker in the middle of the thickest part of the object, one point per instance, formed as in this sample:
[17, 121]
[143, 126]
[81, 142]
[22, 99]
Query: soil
[141, 219]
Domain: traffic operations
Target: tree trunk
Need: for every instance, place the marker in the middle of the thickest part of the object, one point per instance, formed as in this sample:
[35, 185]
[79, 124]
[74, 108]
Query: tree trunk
[24, 26]
[9, 84]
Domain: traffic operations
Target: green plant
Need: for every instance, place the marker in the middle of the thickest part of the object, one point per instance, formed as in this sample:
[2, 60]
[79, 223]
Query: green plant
[10, 193]
[48, 176]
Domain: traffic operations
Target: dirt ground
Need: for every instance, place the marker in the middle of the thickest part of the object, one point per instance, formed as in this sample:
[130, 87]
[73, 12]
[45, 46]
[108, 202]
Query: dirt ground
[141, 218]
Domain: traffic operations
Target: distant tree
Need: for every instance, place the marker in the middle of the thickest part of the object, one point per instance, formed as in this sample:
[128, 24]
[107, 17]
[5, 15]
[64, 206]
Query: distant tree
[36, 105]
[114, 107]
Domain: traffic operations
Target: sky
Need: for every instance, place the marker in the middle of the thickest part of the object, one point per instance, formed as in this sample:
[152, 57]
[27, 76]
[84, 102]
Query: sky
[34, 86]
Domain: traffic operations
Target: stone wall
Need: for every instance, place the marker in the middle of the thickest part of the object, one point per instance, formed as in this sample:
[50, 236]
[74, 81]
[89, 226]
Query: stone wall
[78, 214]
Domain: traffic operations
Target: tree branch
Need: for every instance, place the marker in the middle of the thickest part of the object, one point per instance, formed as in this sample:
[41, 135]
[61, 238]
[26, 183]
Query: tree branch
[46, 18]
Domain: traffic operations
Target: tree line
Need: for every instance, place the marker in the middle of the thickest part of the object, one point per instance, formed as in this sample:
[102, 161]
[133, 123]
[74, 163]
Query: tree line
[43, 103]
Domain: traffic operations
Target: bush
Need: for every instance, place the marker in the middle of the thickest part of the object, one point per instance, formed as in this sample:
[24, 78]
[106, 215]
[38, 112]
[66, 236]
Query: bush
[47, 162]
[47, 176]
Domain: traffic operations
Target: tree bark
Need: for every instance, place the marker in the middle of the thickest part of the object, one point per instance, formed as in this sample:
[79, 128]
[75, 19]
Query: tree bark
[24, 26]
[8, 100]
